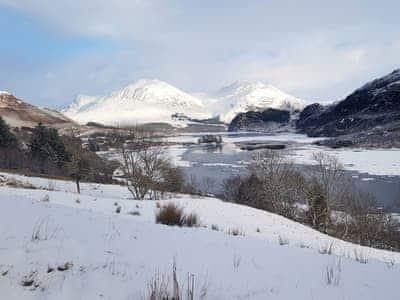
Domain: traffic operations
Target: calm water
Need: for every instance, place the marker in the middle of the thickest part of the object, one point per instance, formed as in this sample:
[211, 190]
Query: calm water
[210, 166]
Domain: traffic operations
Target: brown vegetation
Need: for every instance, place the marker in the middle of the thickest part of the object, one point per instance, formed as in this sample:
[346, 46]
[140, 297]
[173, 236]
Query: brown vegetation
[323, 198]
[172, 214]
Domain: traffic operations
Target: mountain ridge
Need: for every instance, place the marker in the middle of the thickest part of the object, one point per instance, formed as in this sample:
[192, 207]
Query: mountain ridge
[174, 105]
[375, 104]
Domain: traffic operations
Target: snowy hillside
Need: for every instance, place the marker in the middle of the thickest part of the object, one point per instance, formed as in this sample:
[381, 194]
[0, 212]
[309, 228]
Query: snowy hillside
[246, 96]
[69, 246]
[149, 101]
[145, 101]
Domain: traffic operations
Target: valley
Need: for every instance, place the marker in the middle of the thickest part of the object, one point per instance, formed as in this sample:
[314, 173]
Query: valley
[374, 171]
[199, 150]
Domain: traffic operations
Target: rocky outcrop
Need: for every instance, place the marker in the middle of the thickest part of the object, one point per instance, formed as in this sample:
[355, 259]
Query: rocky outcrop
[268, 120]
[375, 104]
[18, 113]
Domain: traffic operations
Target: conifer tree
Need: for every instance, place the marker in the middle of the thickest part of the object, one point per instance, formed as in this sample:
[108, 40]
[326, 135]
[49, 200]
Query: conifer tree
[7, 138]
[46, 145]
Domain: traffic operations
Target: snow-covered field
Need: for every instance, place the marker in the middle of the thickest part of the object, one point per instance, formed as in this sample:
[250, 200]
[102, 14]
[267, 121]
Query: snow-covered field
[115, 256]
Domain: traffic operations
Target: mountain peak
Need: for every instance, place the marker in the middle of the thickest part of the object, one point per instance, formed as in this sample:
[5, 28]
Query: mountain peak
[144, 101]
[243, 96]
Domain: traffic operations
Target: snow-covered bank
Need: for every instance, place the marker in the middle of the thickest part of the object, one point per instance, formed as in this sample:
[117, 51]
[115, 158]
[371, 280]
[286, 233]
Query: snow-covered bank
[114, 256]
[301, 150]
[371, 161]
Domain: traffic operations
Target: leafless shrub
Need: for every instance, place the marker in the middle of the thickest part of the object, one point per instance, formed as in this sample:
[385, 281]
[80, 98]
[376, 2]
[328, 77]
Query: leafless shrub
[191, 220]
[302, 245]
[163, 287]
[318, 214]
[273, 184]
[172, 214]
[327, 249]
[231, 188]
[360, 256]
[148, 171]
[333, 205]
[333, 273]
[236, 232]
[283, 241]
[214, 227]
[192, 186]
[390, 263]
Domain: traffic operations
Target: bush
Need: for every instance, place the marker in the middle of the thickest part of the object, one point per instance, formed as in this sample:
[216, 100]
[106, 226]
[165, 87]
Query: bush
[329, 200]
[172, 214]
[167, 287]
[191, 220]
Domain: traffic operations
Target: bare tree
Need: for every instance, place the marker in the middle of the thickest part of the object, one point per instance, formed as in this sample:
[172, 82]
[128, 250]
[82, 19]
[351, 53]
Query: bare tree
[329, 187]
[79, 164]
[281, 185]
[318, 213]
[145, 165]
[329, 173]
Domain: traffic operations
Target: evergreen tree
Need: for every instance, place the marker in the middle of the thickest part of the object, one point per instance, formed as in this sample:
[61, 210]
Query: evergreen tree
[7, 138]
[46, 145]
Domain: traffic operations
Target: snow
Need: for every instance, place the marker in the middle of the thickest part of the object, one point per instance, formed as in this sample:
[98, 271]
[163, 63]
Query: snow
[232, 137]
[245, 96]
[149, 101]
[115, 256]
[371, 161]
[145, 101]
[388, 79]
[80, 103]
[4, 93]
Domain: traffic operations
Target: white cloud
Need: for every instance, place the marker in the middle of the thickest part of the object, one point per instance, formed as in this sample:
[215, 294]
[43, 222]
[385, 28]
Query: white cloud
[316, 50]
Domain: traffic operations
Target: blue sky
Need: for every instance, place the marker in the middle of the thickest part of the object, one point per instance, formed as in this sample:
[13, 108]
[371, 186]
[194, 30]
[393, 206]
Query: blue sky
[52, 50]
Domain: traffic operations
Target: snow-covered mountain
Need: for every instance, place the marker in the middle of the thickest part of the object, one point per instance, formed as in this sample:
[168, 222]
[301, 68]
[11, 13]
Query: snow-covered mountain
[144, 101]
[246, 96]
[150, 101]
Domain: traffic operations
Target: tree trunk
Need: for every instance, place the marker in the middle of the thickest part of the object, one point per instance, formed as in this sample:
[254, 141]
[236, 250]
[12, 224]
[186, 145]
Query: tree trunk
[78, 188]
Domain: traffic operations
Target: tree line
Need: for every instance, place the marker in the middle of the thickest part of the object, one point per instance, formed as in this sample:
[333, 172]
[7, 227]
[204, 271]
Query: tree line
[322, 197]
[43, 151]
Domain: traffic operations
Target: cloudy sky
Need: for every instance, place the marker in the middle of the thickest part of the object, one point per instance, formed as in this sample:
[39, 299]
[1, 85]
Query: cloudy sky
[52, 50]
